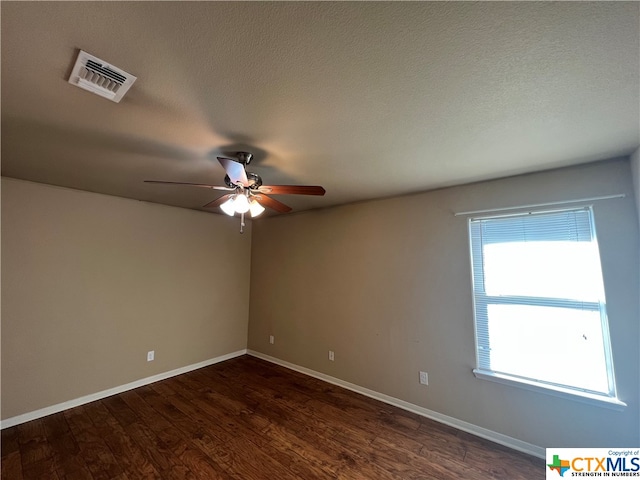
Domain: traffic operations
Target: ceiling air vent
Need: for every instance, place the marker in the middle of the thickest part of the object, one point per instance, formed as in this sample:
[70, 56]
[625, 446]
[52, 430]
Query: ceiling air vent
[99, 77]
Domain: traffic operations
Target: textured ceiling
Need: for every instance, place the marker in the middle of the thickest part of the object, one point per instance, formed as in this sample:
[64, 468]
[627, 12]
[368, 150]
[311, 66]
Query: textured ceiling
[368, 99]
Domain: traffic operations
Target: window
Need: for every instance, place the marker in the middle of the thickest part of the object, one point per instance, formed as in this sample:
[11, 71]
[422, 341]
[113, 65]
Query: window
[540, 315]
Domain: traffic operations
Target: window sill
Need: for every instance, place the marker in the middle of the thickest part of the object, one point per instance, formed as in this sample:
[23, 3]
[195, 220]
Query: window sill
[584, 397]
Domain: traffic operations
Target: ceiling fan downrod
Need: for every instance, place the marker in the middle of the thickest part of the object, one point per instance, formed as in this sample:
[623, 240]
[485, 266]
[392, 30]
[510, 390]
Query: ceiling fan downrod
[244, 157]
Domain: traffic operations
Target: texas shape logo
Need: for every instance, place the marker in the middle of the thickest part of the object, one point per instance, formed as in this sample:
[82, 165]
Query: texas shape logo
[560, 466]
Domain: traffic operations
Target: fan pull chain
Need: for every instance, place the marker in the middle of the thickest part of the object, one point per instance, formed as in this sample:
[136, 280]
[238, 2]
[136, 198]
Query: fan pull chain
[242, 222]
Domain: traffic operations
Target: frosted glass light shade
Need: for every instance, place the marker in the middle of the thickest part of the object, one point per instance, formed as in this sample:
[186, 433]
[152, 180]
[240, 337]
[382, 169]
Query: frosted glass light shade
[241, 204]
[228, 207]
[255, 208]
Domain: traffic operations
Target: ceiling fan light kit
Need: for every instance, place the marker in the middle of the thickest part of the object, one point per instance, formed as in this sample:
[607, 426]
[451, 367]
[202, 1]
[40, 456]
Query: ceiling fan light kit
[239, 203]
[249, 194]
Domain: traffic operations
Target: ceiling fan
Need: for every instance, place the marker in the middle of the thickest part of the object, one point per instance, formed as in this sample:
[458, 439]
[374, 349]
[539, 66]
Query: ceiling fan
[248, 194]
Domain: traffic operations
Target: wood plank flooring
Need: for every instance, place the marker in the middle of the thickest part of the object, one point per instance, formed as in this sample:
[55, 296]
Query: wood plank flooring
[249, 419]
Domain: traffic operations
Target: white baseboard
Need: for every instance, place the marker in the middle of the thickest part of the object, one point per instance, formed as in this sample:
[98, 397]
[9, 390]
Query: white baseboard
[43, 412]
[453, 422]
[496, 437]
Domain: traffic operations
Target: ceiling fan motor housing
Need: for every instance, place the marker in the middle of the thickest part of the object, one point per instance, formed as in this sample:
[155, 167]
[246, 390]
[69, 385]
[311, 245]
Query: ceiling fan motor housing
[255, 181]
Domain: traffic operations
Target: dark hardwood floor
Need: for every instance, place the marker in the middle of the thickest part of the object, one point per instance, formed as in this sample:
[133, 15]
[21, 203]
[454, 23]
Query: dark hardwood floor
[249, 419]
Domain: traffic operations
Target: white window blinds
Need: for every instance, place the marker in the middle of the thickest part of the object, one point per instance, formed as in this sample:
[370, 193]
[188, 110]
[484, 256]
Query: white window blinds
[539, 300]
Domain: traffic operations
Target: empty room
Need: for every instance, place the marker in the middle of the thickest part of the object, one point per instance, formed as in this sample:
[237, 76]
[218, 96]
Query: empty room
[300, 240]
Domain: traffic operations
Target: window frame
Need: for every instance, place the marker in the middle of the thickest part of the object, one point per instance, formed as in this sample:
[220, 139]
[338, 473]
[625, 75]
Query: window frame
[609, 400]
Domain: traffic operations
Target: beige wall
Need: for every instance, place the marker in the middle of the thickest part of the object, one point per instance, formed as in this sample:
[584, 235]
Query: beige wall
[386, 285]
[90, 283]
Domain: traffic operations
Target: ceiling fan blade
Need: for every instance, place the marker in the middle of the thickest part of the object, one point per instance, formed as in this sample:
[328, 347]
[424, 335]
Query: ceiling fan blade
[292, 189]
[218, 201]
[235, 170]
[201, 185]
[272, 203]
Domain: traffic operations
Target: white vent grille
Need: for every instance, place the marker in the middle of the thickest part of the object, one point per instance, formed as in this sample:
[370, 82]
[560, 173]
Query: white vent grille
[99, 77]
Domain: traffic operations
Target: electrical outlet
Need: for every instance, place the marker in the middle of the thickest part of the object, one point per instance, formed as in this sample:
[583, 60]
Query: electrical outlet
[151, 355]
[332, 356]
[424, 378]
[271, 339]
